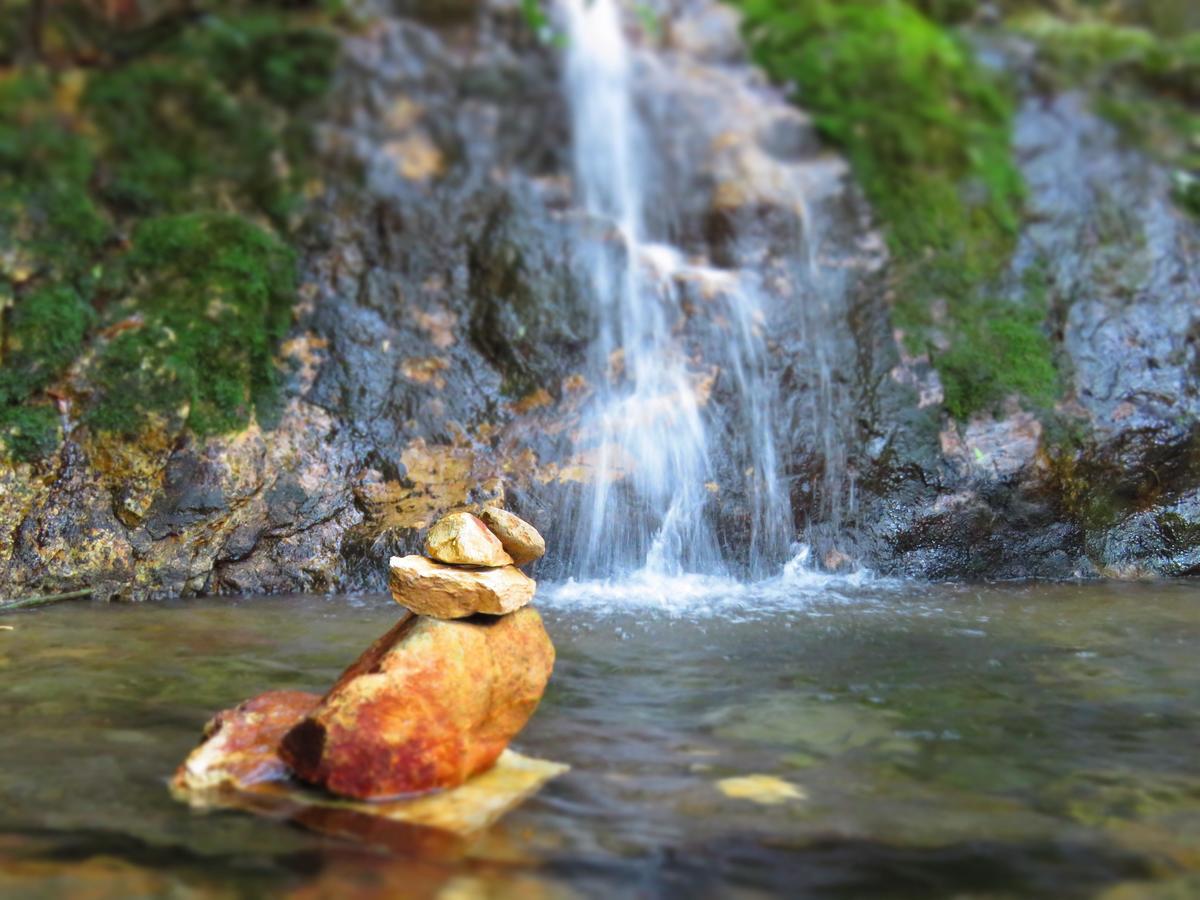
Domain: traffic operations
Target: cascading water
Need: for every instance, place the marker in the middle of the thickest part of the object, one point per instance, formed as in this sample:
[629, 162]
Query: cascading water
[683, 402]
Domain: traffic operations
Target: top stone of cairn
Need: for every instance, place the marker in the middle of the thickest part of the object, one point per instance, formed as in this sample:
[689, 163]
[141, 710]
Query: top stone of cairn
[520, 540]
[461, 539]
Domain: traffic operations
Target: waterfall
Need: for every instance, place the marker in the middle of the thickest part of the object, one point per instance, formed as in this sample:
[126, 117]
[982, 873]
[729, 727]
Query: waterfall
[682, 411]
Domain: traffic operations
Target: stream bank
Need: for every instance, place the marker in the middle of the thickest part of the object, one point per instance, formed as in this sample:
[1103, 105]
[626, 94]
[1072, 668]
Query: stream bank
[428, 352]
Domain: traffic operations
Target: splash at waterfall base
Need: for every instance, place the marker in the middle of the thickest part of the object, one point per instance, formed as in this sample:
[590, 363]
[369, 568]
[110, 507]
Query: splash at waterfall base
[414, 735]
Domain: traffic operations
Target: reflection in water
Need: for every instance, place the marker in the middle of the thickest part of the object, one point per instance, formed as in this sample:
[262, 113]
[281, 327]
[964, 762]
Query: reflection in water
[1021, 741]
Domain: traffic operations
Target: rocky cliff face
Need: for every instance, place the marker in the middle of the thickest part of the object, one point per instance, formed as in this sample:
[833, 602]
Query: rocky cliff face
[437, 341]
[1105, 482]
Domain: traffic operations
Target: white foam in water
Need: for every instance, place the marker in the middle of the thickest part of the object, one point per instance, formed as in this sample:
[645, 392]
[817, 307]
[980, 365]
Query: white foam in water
[698, 596]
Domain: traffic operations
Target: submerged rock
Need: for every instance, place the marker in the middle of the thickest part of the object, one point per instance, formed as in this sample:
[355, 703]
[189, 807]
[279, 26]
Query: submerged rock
[430, 588]
[241, 745]
[461, 539]
[768, 790]
[427, 706]
[421, 826]
[520, 539]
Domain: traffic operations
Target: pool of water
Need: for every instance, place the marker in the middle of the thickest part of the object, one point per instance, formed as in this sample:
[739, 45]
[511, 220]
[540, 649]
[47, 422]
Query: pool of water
[920, 741]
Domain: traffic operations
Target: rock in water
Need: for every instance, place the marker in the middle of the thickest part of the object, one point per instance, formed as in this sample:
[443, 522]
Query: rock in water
[241, 745]
[520, 539]
[427, 706]
[461, 539]
[450, 592]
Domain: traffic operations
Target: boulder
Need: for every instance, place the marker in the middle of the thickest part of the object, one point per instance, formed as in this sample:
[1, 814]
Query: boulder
[241, 745]
[427, 706]
[430, 588]
[461, 539]
[520, 540]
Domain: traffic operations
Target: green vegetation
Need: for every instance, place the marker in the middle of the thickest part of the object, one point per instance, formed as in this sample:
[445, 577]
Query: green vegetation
[998, 349]
[213, 294]
[148, 182]
[47, 217]
[927, 131]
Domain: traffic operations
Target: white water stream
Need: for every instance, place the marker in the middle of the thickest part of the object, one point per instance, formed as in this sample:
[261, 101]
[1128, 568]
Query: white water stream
[678, 384]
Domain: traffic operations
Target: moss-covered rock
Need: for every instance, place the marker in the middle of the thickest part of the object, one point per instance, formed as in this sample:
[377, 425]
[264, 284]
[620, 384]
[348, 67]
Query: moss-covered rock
[211, 297]
[138, 175]
[928, 132]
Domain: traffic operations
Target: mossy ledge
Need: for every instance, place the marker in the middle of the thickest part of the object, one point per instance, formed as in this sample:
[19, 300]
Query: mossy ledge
[152, 176]
[928, 133]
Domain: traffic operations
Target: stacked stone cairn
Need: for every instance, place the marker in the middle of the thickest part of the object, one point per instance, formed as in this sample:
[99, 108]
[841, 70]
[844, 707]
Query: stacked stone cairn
[431, 703]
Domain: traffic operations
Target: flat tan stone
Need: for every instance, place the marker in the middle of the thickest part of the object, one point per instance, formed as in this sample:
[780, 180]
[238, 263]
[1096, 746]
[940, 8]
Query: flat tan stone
[520, 539]
[442, 591]
[462, 539]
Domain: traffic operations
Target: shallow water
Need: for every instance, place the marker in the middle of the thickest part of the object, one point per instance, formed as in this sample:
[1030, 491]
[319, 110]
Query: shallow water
[941, 741]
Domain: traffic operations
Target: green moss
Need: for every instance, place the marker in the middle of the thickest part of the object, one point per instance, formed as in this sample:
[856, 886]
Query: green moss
[42, 336]
[1079, 48]
[998, 350]
[29, 432]
[289, 64]
[46, 210]
[208, 111]
[50, 231]
[948, 12]
[926, 130]
[214, 294]
[14, 16]
[185, 133]
[170, 130]
[928, 133]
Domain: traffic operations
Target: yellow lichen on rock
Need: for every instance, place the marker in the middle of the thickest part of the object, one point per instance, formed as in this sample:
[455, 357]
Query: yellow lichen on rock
[417, 157]
[425, 370]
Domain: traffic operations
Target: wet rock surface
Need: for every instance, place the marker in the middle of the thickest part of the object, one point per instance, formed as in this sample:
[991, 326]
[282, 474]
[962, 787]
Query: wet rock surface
[435, 355]
[1097, 493]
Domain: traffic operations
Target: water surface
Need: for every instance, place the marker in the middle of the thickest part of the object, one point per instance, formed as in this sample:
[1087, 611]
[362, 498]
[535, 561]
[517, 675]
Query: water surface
[942, 741]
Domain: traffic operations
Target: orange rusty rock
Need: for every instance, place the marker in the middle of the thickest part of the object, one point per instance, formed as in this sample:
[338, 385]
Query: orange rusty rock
[241, 745]
[427, 706]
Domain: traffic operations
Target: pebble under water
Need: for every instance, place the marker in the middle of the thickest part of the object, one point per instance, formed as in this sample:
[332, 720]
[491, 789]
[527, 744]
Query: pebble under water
[909, 740]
